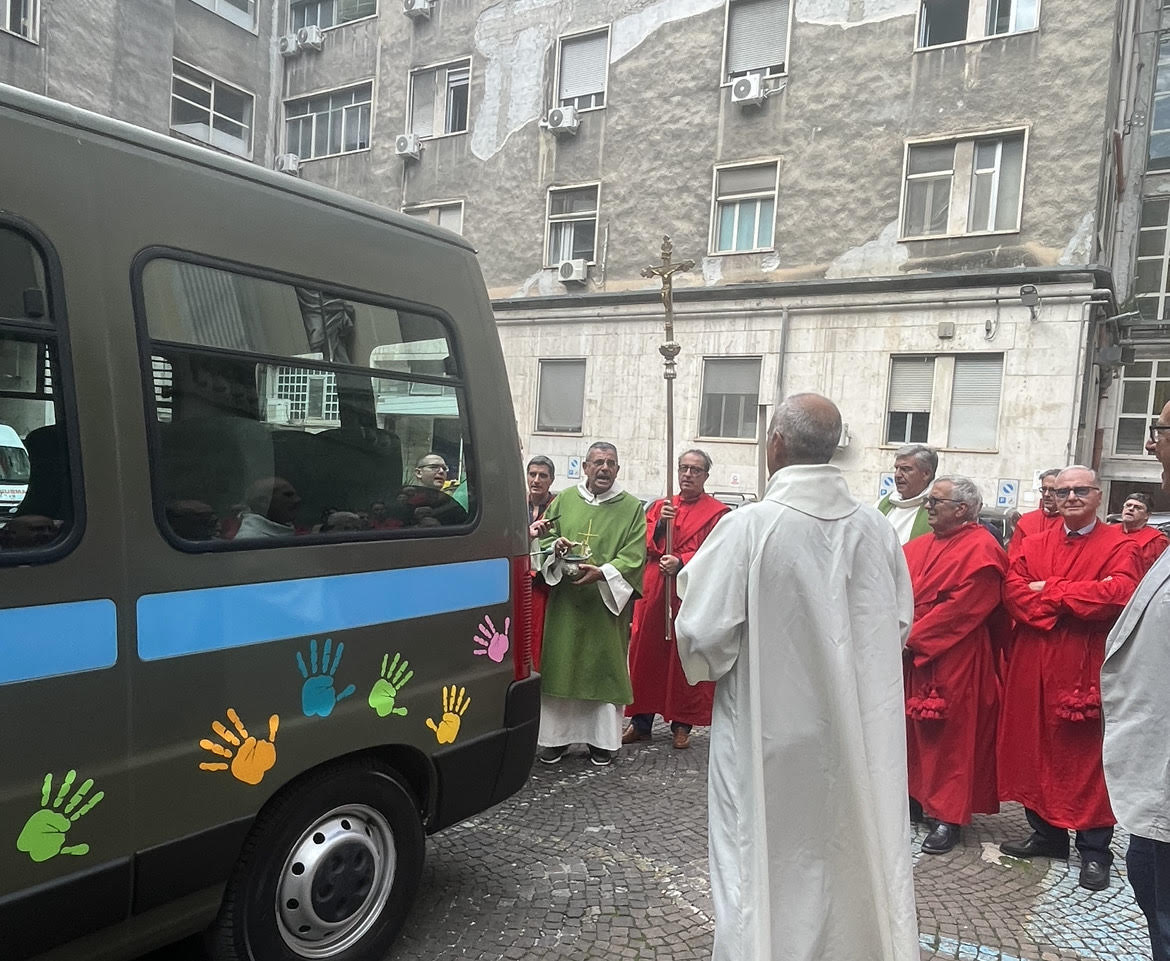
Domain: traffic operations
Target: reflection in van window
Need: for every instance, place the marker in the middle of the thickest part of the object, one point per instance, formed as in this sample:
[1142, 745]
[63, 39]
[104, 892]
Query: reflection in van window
[285, 410]
[36, 505]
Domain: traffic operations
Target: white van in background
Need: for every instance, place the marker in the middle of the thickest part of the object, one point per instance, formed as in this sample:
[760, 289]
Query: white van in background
[13, 470]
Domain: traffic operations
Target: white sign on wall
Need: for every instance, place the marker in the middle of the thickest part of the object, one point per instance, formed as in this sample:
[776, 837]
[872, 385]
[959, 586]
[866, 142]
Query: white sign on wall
[885, 485]
[1007, 494]
[733, 480]
[574, 471]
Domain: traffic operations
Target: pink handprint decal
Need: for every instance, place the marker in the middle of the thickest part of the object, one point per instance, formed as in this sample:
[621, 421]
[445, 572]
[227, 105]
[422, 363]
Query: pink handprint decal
[493, 643]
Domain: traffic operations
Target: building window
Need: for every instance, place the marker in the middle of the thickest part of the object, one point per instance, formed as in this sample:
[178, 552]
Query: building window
[20, 17]
[744, 208]
[756, 38]
[240, 12]
[439, 99]
[975, 382]
[447, 214]
[211, 111]
[581, 70]
[975, 394]
[572, 223]
[330, 123]
[328, 13]
[1159, 158]
[990, 168]
[1145, 390]
[911, 387]
[1150, 279]
[956, 21]
[731, 394]
[560, 396]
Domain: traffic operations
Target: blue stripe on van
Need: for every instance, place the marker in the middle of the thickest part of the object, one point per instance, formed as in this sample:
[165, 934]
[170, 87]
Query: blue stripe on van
[56, 639]
[218, 618]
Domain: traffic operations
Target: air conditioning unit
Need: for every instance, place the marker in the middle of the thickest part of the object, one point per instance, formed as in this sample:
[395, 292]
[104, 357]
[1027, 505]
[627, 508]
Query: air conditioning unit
[573, 271]
[418, 9]
[748, 90]
[310, 37]
[408, 146]
[288, 163]
[562, 121]
[288, 45]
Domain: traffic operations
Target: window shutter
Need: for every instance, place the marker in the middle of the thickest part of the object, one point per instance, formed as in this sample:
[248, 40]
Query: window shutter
[757, 34]
[975, 402]
[583, 62]
[738, 376]
[911, 384]
[422, 103]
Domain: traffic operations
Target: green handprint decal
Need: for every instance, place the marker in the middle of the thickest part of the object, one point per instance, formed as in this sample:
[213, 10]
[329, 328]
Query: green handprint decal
[394, 678]
[43, 836]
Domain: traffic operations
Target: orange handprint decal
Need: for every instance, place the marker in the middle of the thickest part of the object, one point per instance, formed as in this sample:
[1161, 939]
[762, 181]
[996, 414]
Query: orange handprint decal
[454, 707]
[250, 759]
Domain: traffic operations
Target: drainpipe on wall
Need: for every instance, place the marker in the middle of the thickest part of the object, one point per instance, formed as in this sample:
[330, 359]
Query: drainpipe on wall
[1098, 297]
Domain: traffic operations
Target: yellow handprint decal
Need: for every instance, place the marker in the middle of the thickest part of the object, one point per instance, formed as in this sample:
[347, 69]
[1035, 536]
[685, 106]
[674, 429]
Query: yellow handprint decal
[250, 759]
[454, 707]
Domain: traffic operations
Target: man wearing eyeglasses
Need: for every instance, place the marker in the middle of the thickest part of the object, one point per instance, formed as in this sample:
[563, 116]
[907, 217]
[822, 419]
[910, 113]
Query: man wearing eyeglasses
[1043, 517]
[1065, 588]
[424, 503]
[660, 687]
[952, 693]
[1136, 707]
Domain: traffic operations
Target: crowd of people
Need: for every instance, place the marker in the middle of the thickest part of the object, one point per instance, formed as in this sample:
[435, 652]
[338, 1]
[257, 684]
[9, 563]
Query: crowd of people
[850, 659]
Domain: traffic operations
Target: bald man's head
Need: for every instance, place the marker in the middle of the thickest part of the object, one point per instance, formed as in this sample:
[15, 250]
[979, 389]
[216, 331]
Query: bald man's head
[805, 429]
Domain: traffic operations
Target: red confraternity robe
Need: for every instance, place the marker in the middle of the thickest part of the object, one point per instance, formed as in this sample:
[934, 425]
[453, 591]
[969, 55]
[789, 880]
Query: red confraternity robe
[1031, 524]
[660, 687]
[1151, 542]
[950, 671]
[1050, 727]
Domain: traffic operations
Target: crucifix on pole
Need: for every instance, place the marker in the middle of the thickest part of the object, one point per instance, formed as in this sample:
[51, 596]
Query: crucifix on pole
[669, 351]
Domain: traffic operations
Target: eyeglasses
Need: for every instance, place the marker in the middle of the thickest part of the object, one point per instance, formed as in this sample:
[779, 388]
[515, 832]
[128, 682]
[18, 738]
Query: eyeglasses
[1154, 428]
[688, 469]
[1063, 492]
[442, 467]
[933, 501]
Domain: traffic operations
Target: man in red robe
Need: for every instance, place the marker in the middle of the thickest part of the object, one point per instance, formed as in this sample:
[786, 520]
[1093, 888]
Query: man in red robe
[660, 687]
[1135, 517]
[952, 691]
[1043, 517]
[1065, 588]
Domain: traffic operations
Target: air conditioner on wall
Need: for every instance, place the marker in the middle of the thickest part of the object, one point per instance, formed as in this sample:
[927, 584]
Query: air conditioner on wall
[288, 163]
[418, 9]
[748, 90]
[573, 271]
[288, 45]
[310, 37]
[562, 121]
[408, 146]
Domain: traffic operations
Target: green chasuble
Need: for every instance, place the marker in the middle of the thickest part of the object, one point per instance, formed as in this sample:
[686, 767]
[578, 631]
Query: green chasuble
[584, 653]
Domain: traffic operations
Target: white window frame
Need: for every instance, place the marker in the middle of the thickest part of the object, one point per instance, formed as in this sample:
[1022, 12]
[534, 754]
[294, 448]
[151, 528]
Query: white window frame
[330, 92]
[550, 218]
[584, 362]
[429, 211]
[1154, 408]
[604, 91]
[717, 438]
[713, 232]
[942, 398]
[335, 24]
[725, 80]
[442, 98]
[977, 13]
[1159, 297]
[231, 13]
[1162, 63]
[33, 21]
[962, 171]
[212, 113]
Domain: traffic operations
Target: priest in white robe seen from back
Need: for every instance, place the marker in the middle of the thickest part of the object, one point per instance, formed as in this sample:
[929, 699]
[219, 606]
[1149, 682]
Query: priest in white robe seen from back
[798, 608]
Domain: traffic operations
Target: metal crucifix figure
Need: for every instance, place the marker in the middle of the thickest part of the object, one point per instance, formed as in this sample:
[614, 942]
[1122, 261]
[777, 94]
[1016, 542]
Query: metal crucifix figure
[669, 351]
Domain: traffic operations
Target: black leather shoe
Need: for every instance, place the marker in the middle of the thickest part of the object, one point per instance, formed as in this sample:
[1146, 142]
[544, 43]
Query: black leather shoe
[1094, 875]
[944, 837]
[1035, 847]
[916, 815]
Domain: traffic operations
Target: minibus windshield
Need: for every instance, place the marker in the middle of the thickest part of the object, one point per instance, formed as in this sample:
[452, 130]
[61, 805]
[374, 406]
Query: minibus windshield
[13, 465]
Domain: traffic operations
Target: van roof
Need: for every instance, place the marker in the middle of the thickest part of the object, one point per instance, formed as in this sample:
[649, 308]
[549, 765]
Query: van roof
[9, 437]
[35, 105]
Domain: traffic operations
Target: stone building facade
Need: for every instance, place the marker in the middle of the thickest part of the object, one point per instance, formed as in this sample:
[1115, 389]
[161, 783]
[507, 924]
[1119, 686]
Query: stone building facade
[928, 209]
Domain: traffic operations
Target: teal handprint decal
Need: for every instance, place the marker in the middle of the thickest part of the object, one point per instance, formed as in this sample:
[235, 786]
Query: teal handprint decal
[317, 697]
[394, 678]
[43, 835]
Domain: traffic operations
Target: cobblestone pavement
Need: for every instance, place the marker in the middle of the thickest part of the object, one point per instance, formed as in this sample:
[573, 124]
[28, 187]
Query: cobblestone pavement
[611, 863]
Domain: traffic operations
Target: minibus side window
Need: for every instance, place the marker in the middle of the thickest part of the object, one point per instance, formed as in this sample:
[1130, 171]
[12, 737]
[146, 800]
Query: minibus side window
[36, 497]
[282, 411]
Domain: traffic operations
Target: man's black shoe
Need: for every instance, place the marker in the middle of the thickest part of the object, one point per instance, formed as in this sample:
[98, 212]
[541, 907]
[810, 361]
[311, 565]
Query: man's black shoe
[552, 755]
[1094, 875]
[944, 837]
[916, 815]
[600, 756]
[1035, 847]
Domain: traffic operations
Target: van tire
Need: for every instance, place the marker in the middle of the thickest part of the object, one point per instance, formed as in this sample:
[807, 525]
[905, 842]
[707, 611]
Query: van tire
[328, 871]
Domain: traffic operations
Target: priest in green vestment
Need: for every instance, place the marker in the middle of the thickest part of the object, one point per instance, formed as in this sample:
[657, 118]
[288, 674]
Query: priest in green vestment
[597, 535]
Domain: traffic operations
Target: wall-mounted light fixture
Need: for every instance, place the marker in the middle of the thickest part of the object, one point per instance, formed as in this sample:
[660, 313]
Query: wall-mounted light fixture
[1030, 298]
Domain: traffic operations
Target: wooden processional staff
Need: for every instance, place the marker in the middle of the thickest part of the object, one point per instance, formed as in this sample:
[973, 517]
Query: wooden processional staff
[669, 351]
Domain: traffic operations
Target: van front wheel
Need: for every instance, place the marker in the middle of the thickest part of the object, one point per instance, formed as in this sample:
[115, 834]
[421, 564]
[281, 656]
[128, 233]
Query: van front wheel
[328, 872]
